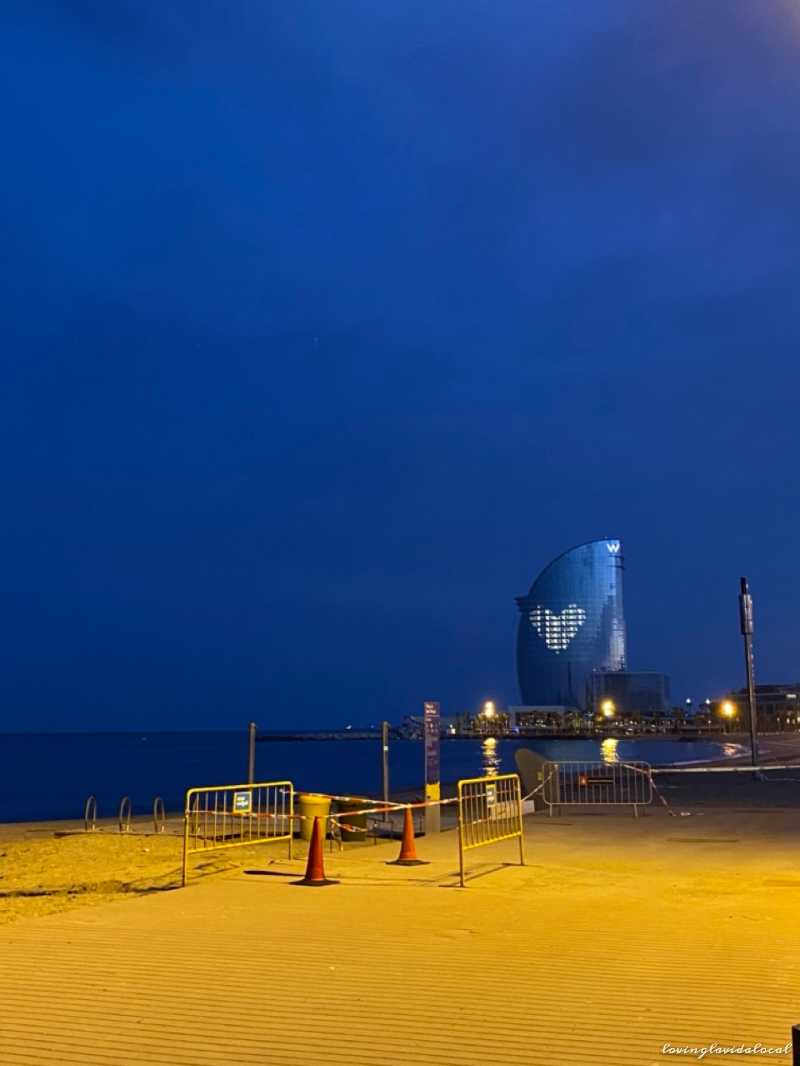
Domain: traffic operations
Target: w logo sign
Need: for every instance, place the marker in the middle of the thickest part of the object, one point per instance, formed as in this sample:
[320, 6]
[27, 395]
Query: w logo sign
[613, 546]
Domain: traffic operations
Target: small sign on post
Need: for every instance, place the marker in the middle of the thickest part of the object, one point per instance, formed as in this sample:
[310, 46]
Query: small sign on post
[242, 803]
[433, 790]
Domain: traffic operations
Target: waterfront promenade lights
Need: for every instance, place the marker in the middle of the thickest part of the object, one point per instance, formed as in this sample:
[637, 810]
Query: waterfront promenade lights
[487, 717]
[728, 712]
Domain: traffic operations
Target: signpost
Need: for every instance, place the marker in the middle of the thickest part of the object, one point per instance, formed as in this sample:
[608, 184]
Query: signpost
[242, 803]
[433, 789]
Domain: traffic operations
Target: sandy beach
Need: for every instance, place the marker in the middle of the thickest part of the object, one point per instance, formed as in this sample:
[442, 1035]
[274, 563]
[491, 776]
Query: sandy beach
[42, 871]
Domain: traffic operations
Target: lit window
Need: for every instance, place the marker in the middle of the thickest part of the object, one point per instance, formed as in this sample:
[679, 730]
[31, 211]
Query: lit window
[558, 630]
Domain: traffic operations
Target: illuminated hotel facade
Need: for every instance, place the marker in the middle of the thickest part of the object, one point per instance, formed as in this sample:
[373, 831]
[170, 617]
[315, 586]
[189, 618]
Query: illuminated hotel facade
[571, 624]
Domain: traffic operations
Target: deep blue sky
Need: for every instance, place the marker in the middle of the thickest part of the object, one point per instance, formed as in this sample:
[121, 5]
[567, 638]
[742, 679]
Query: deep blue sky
[326, 325]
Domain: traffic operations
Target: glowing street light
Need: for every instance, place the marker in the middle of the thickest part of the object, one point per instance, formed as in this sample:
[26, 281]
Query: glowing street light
[728, 711]
[608, 708]
[489, 709]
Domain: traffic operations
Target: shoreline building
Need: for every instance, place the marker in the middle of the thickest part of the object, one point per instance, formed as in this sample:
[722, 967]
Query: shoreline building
[638, 694]
[572, 625]
[777, 706]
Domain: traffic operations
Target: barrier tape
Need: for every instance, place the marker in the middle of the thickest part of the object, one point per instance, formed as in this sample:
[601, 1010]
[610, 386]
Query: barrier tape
[722, 769]
[649, 772]
[538, 787]
[388, 805]
[336, 818]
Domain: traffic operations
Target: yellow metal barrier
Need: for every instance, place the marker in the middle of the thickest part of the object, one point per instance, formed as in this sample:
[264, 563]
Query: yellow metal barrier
[489, 810]
[228, 816]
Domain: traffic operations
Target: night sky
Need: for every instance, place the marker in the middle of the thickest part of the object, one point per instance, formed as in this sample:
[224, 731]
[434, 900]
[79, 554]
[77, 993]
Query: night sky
[328, 324]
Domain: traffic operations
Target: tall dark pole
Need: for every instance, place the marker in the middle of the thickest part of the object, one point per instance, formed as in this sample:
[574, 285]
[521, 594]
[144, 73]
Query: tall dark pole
[251, 753]
[746, 620]
[385, 765]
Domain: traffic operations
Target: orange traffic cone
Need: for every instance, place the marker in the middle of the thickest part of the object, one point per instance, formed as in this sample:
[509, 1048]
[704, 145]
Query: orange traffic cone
[408, 849]
[315, 867]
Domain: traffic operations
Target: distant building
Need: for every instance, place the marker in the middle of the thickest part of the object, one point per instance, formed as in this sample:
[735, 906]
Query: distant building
[643, 693]
[527, 717]
[571, 625]
[777, 706]
[413, 726]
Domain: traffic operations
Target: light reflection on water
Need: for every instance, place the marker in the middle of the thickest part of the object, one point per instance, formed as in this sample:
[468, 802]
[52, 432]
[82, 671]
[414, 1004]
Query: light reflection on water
[608, 750]
[495, 755]
[490, 756]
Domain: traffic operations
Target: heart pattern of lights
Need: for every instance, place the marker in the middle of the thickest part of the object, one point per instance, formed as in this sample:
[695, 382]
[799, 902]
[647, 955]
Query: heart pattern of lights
[557, 630]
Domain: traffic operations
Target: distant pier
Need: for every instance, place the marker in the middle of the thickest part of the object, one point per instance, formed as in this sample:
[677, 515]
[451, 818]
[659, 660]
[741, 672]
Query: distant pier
[323, 734]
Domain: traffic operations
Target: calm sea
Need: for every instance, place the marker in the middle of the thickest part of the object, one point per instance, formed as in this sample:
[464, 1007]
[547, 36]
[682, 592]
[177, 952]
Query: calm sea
[46, 776]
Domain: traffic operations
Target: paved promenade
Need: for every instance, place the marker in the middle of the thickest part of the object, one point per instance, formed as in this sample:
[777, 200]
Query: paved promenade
[618, 936]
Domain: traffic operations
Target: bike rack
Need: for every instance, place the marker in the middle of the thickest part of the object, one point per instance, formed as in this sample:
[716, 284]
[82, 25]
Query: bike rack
[90, 815]
[159, 815]
[125, 815]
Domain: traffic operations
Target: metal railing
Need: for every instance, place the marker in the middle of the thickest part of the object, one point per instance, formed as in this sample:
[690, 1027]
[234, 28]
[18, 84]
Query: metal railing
[572, 784]
[489, 810]
[226, 816]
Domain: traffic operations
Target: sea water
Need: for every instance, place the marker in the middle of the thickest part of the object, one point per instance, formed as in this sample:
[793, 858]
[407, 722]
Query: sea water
[44, 776]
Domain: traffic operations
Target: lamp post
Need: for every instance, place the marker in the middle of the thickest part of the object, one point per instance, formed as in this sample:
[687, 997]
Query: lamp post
[746, 625]
[251, 752]
[385, 767]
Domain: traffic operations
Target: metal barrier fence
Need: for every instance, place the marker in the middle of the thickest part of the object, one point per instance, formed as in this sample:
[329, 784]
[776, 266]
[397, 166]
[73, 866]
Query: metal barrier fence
[597, 783]
[489, 810]
[226, 816]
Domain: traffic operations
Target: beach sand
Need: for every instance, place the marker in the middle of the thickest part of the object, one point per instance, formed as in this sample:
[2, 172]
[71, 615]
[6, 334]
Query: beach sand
[54, 866]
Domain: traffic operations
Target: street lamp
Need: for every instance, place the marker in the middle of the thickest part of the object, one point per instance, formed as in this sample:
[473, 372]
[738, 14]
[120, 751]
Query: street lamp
[608, 709]
[728, 711]
[487, 716]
